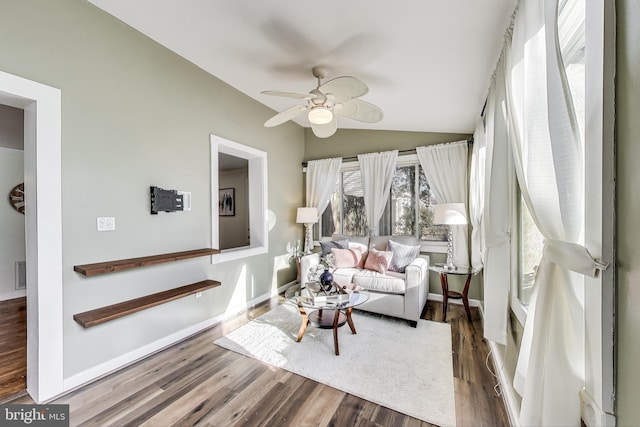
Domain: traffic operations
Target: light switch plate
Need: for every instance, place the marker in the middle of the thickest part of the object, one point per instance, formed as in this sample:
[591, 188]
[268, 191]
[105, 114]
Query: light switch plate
[186, 200]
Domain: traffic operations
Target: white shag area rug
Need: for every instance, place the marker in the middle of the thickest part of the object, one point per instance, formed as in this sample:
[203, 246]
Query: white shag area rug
[409, 370]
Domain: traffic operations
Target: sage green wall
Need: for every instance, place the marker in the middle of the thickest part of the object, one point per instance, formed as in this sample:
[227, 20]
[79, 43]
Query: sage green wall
[134, 114]
[351, 142]
[628, 209]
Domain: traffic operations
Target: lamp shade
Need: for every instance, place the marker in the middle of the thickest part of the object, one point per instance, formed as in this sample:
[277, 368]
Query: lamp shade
[449, 214]
[307, 216]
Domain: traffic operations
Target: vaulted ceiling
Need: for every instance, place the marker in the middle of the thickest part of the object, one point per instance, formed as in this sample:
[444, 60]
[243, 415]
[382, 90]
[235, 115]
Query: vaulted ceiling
[427, 63]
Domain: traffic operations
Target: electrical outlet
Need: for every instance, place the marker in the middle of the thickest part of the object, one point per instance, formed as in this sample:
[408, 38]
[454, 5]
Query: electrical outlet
[198, 295]
[106, 223]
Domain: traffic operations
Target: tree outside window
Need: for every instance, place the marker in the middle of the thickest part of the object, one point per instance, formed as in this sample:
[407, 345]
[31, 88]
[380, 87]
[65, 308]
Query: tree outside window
[402, 215]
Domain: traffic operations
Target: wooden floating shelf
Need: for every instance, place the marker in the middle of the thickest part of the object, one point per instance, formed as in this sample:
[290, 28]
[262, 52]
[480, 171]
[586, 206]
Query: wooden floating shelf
[115, 311]
[126, 264]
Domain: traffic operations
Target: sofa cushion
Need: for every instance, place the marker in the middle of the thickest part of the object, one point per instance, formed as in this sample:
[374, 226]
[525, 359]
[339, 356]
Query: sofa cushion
[329, 244]
[378, 260]
[357, 239]
[403, 255]
[346, 258]
[392, 283]
[378, 242]
[344, 276]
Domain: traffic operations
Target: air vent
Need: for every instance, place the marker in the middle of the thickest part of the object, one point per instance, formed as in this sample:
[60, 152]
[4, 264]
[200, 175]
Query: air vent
[21, 275]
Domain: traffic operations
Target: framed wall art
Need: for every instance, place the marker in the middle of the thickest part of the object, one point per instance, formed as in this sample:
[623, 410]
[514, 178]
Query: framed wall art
[227, 201]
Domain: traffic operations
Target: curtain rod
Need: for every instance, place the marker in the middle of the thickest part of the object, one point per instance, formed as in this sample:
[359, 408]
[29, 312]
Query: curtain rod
[408, 151]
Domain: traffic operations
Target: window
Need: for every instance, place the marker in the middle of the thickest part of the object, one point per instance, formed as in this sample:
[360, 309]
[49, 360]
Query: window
[529, 239]
[409, 210]
[529, 252]
[256, 198]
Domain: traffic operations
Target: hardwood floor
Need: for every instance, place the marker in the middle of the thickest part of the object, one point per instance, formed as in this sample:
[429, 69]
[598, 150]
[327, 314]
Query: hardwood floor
[197, 383]
[13, 346]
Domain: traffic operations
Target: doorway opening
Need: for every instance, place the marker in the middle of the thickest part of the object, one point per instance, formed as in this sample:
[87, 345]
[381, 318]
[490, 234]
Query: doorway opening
[43, 230]
[13, 325]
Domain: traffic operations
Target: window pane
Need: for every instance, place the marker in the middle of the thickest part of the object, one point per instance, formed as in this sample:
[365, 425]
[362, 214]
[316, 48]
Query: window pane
[354, 222]
[531, 243]
[427, 230]
[330, 221]
[402, 201]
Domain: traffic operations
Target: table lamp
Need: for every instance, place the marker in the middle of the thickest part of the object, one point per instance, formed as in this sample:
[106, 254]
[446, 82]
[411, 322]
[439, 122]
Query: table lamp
[308, 217]
[449, 214]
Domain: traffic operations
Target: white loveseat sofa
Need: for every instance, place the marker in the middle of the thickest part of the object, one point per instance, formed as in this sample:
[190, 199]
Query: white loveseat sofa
[392, 293]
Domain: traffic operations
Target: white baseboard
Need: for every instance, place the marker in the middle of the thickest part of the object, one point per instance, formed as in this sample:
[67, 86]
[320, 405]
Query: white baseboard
[13, 295]
[472, 302]
[115, 364]
[508, 396]
[592, 414]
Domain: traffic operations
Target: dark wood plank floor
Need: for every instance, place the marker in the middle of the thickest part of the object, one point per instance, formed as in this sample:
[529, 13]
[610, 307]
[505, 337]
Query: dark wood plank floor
[195, 383]
[13, 346]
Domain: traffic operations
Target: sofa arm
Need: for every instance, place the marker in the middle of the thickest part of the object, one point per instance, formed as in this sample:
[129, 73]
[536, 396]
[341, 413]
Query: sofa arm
[307, 263]
[416, 287]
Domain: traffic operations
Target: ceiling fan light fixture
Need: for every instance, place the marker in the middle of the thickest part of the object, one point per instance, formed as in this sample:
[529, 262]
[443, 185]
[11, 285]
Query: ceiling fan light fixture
[320, 115]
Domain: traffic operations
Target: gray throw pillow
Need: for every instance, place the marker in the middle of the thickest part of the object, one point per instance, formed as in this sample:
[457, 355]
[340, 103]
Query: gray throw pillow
[328, 245]
[403, 255]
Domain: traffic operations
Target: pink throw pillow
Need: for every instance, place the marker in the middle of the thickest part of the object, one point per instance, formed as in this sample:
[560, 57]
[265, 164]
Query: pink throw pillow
[378, 260]
[363, 248]
[346, 258]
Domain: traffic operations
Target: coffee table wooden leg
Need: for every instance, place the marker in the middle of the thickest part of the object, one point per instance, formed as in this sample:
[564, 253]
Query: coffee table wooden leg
[335, 331]
[350, 320]
[303, 325]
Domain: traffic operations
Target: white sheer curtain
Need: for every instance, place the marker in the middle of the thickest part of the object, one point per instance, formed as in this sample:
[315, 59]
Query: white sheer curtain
[376, 170]
[321, 180]
[476, 194]
[497, 214]
[445, 167]
[548, 159]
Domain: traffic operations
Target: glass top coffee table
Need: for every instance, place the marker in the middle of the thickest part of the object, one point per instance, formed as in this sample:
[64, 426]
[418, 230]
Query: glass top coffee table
[326, 315]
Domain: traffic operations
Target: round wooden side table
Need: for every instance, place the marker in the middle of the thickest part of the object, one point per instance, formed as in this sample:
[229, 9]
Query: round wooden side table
[443, 271]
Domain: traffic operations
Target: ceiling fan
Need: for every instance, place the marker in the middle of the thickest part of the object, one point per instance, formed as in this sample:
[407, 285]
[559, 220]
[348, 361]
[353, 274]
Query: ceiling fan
[337, 97]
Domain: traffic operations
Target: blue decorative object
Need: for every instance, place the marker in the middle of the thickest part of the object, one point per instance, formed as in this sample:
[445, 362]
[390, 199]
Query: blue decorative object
[326, 278]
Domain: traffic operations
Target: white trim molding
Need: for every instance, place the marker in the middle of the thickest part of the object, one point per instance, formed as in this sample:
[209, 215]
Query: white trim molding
[118, 363]
[472, 302]
[258, 200]
[43, 223]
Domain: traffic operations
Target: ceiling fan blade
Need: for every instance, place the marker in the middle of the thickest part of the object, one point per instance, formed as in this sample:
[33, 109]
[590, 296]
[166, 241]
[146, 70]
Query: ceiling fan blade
[294, 95]
[325, 131]
[344, 88]
[285, 115]
[362, 111]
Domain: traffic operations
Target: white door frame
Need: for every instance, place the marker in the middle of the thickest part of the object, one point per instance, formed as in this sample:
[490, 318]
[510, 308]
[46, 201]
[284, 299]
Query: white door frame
[43, 224]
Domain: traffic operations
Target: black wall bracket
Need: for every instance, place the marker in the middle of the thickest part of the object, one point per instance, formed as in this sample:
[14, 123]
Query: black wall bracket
[165, 200]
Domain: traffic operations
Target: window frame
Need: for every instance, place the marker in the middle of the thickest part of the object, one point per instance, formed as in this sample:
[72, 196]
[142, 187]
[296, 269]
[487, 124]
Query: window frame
[404, 160]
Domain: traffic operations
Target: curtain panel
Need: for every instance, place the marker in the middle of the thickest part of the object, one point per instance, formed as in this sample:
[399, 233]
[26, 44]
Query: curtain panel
[376, 170]
[445, 167]
[476, 195]
[497, 213]
[321, 180]
[547, 153]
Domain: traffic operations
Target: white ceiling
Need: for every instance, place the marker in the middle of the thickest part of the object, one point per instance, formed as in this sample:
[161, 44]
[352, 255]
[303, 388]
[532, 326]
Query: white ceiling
[427, 62]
